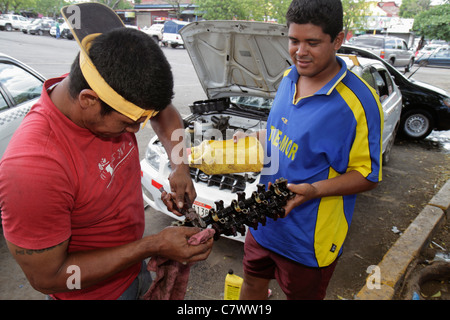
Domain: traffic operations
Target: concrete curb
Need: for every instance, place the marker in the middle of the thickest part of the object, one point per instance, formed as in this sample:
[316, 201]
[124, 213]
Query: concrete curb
[395, 262]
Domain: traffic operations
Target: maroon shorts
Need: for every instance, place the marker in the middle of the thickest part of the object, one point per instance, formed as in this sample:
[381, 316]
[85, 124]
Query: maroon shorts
[297, 281]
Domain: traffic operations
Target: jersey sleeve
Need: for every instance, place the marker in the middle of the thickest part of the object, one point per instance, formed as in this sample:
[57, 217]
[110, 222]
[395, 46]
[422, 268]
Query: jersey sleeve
[366, 150]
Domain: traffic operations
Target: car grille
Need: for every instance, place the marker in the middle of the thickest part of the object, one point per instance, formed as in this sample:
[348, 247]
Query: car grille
[228, 181]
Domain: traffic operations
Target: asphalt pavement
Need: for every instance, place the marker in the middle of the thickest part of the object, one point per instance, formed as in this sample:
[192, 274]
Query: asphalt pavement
[53, 57]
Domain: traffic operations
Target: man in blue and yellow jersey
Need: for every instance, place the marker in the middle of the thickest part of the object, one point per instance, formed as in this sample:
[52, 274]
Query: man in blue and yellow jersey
[325, 127]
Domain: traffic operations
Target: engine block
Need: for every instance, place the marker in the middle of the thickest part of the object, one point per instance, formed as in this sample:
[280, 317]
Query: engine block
[262, 204]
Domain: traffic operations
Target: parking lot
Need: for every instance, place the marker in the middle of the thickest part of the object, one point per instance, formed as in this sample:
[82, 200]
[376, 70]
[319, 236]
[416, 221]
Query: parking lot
[417, 170]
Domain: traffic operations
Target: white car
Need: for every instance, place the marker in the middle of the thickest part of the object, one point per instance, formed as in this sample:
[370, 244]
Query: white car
[11, 22]
[155, 31]
[20, 88]
[171, 33]
[240, 65]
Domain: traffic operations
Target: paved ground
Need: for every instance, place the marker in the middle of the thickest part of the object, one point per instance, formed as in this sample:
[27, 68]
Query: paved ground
[417, 172]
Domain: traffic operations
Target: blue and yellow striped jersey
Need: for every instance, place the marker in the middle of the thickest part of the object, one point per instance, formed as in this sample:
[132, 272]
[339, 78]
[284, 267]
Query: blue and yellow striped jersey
[338, 129]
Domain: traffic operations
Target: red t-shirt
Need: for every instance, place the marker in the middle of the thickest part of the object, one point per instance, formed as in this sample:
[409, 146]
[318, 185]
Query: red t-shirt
[60, 181]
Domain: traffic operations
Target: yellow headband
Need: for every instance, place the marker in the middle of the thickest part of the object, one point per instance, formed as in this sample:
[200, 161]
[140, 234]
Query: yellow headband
[104, 91]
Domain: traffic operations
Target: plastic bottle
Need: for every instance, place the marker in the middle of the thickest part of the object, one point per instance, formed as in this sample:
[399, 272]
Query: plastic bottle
[233, 284]
[226, 156]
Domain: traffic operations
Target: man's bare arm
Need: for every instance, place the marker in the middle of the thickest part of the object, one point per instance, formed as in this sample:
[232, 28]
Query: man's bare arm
[48, 269]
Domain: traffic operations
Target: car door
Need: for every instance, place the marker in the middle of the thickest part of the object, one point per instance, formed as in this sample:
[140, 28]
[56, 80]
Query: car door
[440, 58]
[390, 98]
[19, 90]
[400, 53]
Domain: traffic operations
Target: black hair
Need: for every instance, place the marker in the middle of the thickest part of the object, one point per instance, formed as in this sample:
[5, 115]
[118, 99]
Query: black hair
[327, 14]
[133, 65]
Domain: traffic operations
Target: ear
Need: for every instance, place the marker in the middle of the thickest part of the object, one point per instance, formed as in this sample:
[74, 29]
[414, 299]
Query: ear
[88, 98]
[339, 40]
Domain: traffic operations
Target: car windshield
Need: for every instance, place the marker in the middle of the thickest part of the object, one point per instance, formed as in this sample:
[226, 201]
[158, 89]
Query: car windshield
[254, 102]
[368, 42]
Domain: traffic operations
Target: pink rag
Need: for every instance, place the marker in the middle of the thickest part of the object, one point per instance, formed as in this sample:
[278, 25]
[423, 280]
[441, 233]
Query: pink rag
[172, 276]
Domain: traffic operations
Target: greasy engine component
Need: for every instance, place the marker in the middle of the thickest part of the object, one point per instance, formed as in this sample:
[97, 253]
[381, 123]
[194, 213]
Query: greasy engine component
[256, 209]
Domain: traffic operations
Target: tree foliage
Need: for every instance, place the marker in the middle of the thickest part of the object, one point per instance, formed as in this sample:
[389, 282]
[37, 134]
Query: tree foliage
[258, 10]
[434, 23]
[50, 8]
[355, 12]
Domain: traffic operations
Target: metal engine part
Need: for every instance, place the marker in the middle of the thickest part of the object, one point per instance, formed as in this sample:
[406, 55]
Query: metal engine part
[262, 204]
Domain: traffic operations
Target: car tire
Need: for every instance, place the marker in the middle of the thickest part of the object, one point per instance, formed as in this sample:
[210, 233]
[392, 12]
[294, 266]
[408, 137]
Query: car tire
[40, 32]
[8, 27]
[416, 124]
[409, 66]
[423, 63]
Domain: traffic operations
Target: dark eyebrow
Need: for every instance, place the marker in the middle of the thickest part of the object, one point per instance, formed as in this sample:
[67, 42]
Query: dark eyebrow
[308, 40]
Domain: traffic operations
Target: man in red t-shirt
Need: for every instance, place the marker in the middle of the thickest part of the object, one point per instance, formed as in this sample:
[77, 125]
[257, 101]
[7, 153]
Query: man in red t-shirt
[70, 189]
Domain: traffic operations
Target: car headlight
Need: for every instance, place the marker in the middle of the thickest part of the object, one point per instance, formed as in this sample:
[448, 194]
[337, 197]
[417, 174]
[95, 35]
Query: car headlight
[446, 101]
[153, 158]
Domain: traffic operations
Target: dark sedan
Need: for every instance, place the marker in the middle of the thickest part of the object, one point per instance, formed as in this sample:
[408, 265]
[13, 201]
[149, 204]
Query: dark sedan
[425, 107]
[440, 57]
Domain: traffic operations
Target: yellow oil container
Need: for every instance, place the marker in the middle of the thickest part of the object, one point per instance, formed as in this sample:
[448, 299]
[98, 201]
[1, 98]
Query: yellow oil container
[226, 156]
[233, 284]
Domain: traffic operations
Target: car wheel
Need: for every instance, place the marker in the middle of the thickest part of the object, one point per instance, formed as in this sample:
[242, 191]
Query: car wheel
[423, 63]
[409, 66]
[417, 124]
[8, 27]
[40, 32]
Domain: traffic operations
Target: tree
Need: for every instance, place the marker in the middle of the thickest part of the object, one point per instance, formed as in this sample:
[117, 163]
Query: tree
[411, 8]
[355, 12]
[434, 23]
[258, 10]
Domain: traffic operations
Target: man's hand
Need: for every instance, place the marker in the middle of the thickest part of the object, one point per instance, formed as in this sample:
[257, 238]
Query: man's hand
[182, 189]
[174, 245]
[303, 192]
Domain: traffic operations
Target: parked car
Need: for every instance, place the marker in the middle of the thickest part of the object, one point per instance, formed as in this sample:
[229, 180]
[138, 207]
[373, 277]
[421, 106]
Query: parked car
[439, 57]
[64, 31]
[425, 107]
[11, 22]
[171, 36]
[40, 27]
[155, 31]
[20, 88]
[392, 49]
[240, 65]
[24, 26]
[426, 51]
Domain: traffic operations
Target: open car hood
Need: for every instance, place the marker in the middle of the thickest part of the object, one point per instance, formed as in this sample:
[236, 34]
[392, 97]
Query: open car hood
[237, 58]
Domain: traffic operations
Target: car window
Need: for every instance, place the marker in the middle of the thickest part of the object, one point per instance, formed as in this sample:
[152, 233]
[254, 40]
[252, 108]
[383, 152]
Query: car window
[3, 104]
[388, 80]
[368, 77]
[442, 54]
[21, 85]
[382, 86]
[390, 44]
[378, 43]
